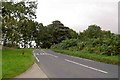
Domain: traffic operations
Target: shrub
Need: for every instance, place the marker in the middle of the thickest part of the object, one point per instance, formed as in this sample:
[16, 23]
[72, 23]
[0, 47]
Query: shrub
[108, 44]
[81, 45]
[66, 44]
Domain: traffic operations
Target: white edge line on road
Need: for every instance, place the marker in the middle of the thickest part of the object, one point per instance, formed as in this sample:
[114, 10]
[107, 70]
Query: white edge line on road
[86, 66]
[33, 51]
[50, 54]
[36, 58]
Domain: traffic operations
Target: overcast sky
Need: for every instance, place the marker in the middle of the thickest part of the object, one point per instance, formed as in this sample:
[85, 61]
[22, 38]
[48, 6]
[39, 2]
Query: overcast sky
[79, 14]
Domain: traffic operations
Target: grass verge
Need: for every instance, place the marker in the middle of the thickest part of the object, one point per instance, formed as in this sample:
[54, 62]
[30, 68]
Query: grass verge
[87, 55]
[14, 63]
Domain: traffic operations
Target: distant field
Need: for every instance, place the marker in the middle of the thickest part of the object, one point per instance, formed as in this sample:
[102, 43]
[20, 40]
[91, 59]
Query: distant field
[14, 63]
[96, 57]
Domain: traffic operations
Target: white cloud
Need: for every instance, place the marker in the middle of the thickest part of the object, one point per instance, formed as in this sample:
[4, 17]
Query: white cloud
[78, 14]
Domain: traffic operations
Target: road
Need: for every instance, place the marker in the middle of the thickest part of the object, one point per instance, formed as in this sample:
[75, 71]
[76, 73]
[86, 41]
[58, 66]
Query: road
[56, 65]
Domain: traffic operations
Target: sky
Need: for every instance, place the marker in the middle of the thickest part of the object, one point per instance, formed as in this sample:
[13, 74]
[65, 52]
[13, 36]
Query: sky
[79, 14]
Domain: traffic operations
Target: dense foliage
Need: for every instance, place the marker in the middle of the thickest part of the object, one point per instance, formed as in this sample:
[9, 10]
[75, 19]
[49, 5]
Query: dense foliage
[54, 33]
[19, 27]
[93, 40]
[16, 22]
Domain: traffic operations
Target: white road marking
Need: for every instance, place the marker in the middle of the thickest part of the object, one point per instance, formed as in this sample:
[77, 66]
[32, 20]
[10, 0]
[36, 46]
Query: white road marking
[36, 58]
[34, 54]
[50, 54]
[86, 66]
[33, 51]
[37, 53]
[43, 54]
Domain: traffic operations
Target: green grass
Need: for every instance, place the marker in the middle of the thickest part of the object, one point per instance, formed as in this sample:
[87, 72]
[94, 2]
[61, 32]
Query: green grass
[87, 55]
[14, 63]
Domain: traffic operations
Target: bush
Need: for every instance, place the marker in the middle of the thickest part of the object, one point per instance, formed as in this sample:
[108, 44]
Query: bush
[74, 48]
[81, 45]
[105, 44]
[65, 44]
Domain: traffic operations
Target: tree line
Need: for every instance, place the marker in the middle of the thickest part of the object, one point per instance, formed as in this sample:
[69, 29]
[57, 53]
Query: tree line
[93, 40]
[20, 28]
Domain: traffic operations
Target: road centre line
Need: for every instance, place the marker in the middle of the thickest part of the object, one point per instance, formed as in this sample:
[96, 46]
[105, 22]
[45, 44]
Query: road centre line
[86, 66]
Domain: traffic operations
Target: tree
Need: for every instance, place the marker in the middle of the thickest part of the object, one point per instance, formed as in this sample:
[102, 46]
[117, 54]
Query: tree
[59, 32]
[15, 18]
[93, 31]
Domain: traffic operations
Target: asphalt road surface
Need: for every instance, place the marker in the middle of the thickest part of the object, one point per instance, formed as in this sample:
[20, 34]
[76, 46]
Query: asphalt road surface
[56, 65]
